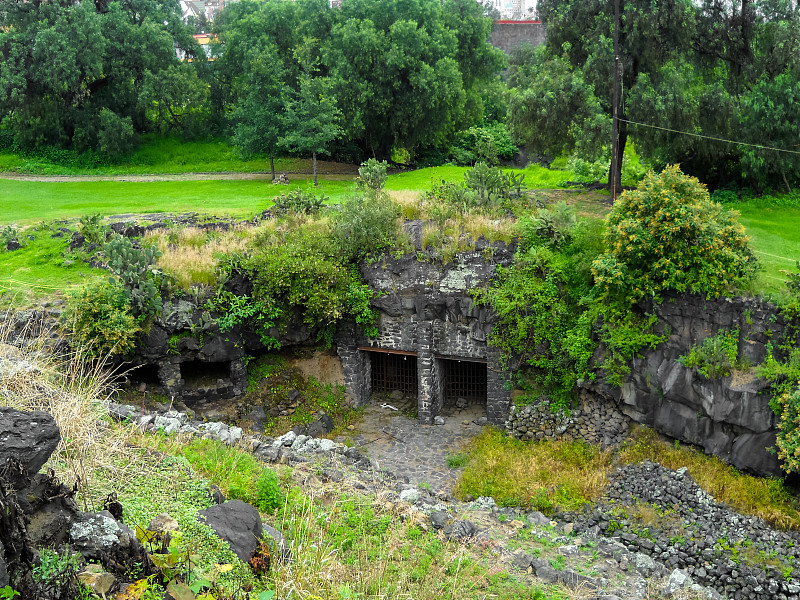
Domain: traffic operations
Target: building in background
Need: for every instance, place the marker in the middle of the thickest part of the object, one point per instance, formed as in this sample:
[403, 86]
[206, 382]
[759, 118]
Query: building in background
[514, 10]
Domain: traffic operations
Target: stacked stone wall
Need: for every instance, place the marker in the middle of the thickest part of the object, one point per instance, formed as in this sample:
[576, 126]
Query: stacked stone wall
[509, 35]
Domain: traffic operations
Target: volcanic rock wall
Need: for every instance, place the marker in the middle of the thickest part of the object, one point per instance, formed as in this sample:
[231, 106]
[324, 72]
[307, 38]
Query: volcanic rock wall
[729, 417]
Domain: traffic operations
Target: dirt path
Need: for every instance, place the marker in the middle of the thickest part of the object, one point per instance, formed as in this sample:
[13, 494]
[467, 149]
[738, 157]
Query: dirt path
[216, 176]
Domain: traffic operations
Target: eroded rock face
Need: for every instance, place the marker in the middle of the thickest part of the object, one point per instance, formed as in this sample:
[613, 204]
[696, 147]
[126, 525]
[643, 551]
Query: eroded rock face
[729, 417]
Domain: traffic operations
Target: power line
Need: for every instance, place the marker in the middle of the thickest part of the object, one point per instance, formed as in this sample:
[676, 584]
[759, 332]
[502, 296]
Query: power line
[775, 256]
[710, 137]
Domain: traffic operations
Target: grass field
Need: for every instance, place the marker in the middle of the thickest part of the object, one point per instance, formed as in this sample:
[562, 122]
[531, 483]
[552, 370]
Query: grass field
[28, 202]
[774, 230]
[161, 155]
[772, 223]
[37, 270]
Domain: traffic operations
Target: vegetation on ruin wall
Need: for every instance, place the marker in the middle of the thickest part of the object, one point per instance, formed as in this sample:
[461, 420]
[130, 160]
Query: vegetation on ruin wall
[572, 287]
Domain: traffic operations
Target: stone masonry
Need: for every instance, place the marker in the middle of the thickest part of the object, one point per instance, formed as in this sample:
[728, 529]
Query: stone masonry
[426, 307]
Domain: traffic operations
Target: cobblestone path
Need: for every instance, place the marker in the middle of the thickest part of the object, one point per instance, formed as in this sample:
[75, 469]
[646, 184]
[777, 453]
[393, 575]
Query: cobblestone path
[397, 442]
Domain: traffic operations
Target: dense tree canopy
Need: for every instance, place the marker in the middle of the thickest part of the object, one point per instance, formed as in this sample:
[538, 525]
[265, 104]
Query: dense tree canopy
[721, 69]
[84, 73]
[403, 73]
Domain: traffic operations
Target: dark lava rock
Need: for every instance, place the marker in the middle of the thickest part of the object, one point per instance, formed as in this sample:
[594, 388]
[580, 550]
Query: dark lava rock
[320, 427]
[29, 437]
[460, 530]
[236, 522]
[97, 536]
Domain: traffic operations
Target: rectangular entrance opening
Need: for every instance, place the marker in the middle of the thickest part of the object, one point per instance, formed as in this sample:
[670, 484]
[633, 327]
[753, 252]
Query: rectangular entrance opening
[392, 372]
[465, 380]
[198, 374]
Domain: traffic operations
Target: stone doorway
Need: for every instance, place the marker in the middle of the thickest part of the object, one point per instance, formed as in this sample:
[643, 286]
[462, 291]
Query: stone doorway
[463, 382]
[394, 371]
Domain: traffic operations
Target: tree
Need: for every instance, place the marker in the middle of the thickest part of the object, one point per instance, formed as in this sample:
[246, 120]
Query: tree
[551, 109]
[63, 63]
[311, 120]
[770, 114]
[406, 73]
[651, 34]
[175, 99]
[260, 114]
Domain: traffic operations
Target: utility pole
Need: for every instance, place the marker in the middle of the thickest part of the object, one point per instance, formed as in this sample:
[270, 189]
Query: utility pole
[613, 176]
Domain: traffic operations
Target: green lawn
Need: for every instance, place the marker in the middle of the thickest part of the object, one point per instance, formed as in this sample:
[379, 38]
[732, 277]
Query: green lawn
[37, 271]
[774, 231]
[159, 155]
[27, 202]
[536, 176]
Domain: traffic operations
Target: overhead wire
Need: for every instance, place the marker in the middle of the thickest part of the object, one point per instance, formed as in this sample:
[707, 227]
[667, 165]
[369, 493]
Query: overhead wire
[710, 137]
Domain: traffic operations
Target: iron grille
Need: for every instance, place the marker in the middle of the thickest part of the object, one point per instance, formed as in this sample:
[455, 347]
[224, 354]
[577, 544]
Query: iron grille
[394, 372]
[464, 379]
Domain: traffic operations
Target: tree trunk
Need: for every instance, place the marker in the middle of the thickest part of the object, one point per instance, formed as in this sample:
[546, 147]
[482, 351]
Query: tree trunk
[272, 166]
[623, 140]
[314, 160]
[614, 182]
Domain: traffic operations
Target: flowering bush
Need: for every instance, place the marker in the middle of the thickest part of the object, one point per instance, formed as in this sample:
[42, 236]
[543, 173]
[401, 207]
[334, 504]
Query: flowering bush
[789, 431]
[667, 234]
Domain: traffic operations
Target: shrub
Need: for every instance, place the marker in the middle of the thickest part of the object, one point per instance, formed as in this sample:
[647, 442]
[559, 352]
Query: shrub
[372, 175]
[116, 136]
[487, 143]
[784, 375]
[588, 171]
[668, 235]
[788, 441]
[367, 223]
[543, 321]
[299, 202]
[92, 229]
[10, 233]
[486, 181]
[303, 275]
[101, 319]
[715, 357]
[268, 491]
[483, 187]
[134, 268]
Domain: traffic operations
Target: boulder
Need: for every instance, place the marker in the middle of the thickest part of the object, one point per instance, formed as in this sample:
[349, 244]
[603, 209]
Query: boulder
[321, 426]
[49, 509]
[29, 437]
[678, 580]
[95, 578]
[237, 523]
[460, 530]
[98, 537]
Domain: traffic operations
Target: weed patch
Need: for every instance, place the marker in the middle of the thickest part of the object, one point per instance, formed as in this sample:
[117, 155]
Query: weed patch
[535, 475]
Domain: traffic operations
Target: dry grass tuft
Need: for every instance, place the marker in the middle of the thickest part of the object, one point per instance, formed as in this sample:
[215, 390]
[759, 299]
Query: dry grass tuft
[763, 497]
[191, 254]
[540, 475]
[410, 202]
[71, 389]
